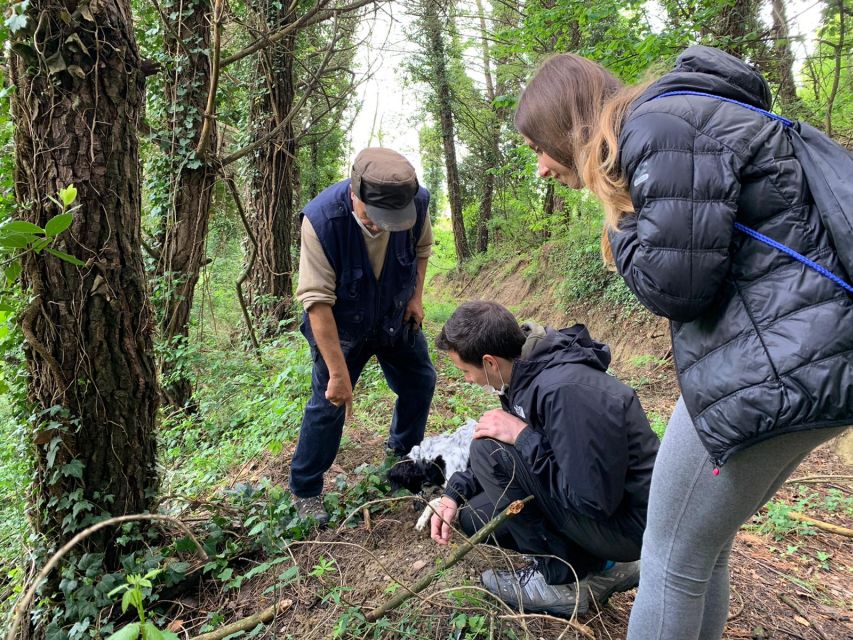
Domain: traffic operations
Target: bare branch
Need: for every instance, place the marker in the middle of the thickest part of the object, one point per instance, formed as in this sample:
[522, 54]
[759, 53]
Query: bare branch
[210, 109]
[312, 16]
[293, 110]
[229, 181]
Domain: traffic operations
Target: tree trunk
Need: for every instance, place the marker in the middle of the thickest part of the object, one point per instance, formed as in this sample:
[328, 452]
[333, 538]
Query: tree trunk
[783, 58]
[88, 329]
[492, 153]
[273, 167]
[445, 117]
[191, 187]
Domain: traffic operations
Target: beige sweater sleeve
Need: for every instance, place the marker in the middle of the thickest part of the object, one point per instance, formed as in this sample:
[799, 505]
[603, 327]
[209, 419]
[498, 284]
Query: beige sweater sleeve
[316, 277]
[424, 248]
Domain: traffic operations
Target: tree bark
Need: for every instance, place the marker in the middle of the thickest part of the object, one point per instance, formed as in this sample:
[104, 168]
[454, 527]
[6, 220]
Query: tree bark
[88, 329]
[273, 173]
[192, 180]
[441, 86]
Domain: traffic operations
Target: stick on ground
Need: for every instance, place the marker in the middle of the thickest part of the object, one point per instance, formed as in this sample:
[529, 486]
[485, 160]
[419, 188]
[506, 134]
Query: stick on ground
[463, 550]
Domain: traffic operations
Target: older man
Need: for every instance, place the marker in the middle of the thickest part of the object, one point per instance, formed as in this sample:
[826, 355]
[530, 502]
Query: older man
[365, 245]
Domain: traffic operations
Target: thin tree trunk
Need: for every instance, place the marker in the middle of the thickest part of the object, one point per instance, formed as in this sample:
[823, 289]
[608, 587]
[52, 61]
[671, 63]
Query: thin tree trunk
[88, 330]
[445, 116]
[839, 48]
[492, 154]
[783, 57]
[273, 166]
[192, 180]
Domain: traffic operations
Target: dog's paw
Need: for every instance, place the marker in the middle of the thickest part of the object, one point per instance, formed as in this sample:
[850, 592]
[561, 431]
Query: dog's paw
[423, 521]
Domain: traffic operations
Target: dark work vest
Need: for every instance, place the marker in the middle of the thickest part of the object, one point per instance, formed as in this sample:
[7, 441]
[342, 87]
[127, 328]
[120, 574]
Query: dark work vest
[364, 306]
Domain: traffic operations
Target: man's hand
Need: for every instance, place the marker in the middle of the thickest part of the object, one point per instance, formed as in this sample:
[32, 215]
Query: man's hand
[500, 425]
[415, 309]
[445, 514]
[339, 392]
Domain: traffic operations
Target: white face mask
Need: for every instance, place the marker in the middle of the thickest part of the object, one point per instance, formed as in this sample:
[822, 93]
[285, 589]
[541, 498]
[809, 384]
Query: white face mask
[488, 388]
[365, 229]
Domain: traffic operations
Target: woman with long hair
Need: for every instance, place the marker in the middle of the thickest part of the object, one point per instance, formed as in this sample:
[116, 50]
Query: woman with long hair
[763, 345]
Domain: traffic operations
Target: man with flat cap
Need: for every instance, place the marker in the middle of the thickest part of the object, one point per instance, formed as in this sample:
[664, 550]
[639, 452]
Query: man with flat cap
[365, 245]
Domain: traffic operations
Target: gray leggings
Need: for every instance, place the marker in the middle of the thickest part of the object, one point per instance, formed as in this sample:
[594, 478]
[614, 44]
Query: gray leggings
[692, 521]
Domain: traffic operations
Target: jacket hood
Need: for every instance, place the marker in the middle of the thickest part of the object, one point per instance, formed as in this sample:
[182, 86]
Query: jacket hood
[710, 70]
[545, 347]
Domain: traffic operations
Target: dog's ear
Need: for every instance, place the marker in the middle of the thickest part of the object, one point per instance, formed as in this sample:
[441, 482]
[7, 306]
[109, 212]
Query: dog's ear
[406, 474]
[434, 472]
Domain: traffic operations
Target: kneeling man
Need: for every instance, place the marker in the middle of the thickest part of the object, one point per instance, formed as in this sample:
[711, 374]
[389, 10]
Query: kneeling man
[568, 433]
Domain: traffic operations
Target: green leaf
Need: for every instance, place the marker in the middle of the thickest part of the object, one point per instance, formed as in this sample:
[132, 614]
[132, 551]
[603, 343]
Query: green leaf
[12, 272]
[21, 226]
[152, 632]
[58, 224]
[127, 600]
[130, 632]
[67, 257]
[68, 194]
[73, 469]
[16, 240]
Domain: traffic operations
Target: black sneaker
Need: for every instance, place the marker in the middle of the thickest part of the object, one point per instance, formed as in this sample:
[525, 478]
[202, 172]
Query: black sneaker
[526, 588]
[313, 507]
[622, 576]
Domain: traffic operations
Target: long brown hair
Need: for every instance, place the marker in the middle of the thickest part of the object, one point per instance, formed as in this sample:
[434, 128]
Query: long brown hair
[573, 109]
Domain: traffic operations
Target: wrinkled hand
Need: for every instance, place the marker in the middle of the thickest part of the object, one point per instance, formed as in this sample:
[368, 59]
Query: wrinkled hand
[339, 392]
[415, 309]
[440, 529]
[500, 425]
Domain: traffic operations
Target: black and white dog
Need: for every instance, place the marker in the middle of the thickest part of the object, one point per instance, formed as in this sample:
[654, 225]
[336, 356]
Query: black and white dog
[431, 463]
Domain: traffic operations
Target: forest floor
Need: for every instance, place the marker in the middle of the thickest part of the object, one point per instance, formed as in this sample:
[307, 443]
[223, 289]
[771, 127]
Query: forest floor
[789, 580]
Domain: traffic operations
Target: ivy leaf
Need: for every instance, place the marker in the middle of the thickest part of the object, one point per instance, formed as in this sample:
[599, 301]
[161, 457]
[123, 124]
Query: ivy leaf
[66, 257]
[73, 469]
[130, 632]
[58, 224]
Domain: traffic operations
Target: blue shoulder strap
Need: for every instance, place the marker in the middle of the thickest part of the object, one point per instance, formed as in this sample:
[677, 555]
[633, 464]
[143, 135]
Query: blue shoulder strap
[811, 264]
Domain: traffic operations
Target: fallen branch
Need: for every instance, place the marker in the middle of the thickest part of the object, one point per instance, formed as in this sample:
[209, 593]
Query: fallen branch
[247, 623]
[801, 612]
[820, 524]
[24, 602]
[819, 479]
[463, 550]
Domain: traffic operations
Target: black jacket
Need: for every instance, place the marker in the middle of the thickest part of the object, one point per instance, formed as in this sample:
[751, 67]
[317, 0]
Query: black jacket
[587, 438]
[763, 345]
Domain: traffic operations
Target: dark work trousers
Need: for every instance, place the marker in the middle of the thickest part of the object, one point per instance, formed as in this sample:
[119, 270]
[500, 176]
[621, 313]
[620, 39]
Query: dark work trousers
[410, 374]
[545, 527]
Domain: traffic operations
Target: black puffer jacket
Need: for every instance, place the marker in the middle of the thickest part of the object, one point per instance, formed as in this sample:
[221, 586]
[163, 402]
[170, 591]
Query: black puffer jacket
[587, 438]
[763, 345]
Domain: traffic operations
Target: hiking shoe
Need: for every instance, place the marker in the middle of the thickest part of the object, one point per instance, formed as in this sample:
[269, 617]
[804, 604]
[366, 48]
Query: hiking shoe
[312, 508]
[526, 588]
[622, 576]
